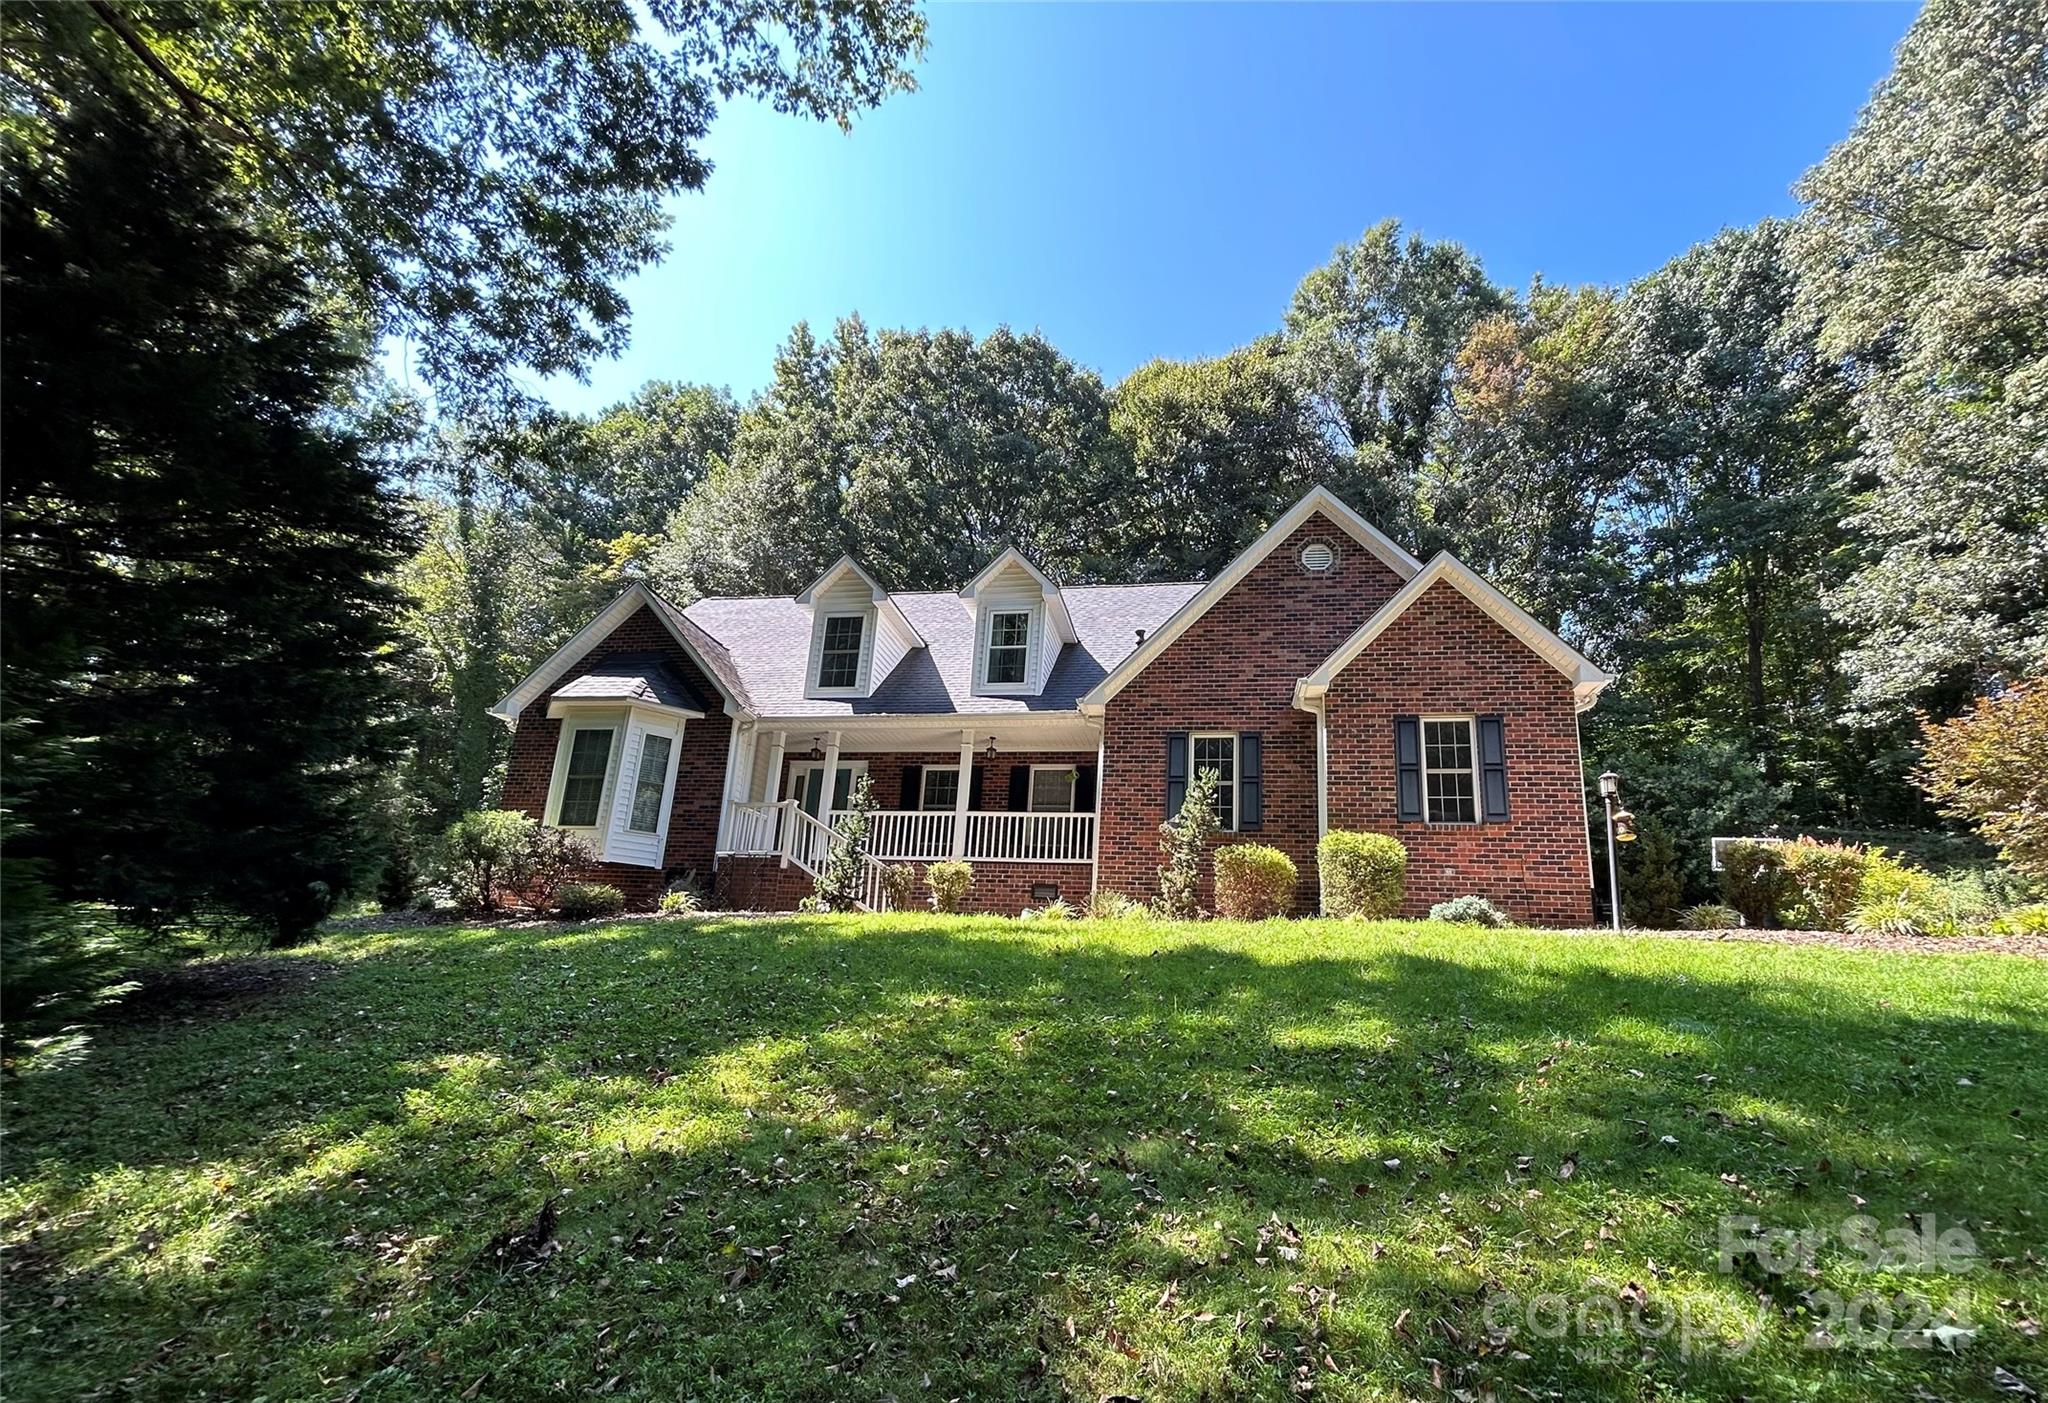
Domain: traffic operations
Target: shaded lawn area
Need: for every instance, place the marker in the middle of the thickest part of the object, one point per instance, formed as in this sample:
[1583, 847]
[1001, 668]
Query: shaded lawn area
[915, 1156]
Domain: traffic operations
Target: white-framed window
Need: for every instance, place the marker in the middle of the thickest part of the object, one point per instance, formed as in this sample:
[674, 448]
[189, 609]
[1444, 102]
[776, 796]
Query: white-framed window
[1052, 789]
[1217, 752]
[1450, 770]
[839, 654]
[1009, 646]
[941, 787]
[590, 759]
[650, 782]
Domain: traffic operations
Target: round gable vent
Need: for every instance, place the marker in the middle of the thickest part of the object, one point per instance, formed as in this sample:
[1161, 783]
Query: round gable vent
[1317, 558]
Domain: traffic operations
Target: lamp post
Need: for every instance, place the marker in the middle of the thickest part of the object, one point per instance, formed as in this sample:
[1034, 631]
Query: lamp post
[1621, 827]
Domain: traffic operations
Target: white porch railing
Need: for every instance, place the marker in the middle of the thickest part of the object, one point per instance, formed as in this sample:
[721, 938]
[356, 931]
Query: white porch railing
[913, 835]
[785, 831]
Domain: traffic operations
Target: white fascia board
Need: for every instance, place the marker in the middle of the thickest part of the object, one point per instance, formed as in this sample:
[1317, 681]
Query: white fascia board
[1319, 499]
[1587, 680]
[885, 606]
[588, 637]
[559, 708]
[1055, 605]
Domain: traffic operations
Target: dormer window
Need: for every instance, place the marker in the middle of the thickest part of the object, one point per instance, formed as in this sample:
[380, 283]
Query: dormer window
[839, 659]
[1009, 646]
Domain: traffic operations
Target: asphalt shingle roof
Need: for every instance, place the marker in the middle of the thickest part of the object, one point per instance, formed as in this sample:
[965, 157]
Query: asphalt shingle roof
[641, 677]
[769, 642]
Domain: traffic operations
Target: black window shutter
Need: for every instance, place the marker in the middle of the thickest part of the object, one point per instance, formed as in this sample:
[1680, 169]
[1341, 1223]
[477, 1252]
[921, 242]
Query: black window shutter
[1408, 769]
[1176, 771]
[1020, 788]
[974, 789]
[913, 787]
[1493, 769]
[1251, 780]
[1084, 789]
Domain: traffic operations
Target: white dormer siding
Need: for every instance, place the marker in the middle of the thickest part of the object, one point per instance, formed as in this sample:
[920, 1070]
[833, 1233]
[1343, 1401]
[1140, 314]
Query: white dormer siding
[1008, 586]
[847, 592]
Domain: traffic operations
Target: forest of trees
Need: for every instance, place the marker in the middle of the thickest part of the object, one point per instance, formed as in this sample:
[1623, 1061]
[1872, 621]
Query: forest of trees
[1792, 487]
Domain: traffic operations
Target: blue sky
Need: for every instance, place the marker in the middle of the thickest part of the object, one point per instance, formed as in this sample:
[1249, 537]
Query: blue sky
[1152, 180]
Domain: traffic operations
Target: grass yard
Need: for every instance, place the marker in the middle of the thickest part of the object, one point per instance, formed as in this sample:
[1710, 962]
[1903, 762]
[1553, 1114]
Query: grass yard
[923, 1157]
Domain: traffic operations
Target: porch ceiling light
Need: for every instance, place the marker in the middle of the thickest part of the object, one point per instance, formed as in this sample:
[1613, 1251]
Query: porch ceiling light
[990, 752]
[817, 751]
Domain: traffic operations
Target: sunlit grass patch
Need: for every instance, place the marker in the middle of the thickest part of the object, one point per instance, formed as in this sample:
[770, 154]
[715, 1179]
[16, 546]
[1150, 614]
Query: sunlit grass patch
[841, 1157]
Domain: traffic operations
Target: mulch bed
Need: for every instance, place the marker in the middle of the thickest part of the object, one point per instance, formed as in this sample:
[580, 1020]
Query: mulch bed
[2035, 946]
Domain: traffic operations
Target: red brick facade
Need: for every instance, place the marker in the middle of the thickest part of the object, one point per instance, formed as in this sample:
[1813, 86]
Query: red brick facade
[700, 768]
[1235, 670]
[1445, 656]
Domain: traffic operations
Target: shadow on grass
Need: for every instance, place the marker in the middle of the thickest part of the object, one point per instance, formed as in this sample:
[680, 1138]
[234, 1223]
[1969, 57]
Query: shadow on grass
[794, 1161]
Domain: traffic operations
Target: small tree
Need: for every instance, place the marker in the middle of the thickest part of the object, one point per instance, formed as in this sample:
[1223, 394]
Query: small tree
[839, 884]
[1652, 882]
[1990, 767]
[1184, 838]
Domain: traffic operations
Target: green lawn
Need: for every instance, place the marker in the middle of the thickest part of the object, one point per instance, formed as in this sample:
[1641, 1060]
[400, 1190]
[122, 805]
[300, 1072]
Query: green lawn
[927, 1157]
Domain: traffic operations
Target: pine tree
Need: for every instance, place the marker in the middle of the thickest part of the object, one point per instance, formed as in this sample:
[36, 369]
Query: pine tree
[195, 537]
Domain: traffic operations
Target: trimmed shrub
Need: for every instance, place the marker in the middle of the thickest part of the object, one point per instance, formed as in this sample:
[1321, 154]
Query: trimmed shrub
[949, 882]
[1183, 839]
[1364, 874]
[1709, 916]
[482, 852]
[579, 901]
[553, 858]
[1108, 905]
[1886, 878]
[1827, 879]
[1652, 880]
[899, 884]
[1754, 881]
[1469, 911]
[1254, 882]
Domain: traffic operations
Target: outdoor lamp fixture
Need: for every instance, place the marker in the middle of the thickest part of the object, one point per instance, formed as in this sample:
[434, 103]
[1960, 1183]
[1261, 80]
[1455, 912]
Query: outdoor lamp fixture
[817, 751]
[990, 753]
[1610, 796]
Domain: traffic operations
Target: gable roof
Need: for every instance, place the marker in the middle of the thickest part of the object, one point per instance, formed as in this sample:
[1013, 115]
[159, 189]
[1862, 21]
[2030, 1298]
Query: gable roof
[1318, 500]
[712, 657]
[1445, 568]
[1055, 603]
[884, 602]
[633, 677]
[770, 641]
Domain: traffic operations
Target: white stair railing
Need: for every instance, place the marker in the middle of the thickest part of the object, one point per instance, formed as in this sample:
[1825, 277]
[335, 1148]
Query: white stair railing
[810, 847]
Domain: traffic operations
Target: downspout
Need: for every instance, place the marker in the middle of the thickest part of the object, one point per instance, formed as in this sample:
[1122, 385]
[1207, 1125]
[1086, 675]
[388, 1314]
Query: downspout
[1095, 848]
[1322, 786]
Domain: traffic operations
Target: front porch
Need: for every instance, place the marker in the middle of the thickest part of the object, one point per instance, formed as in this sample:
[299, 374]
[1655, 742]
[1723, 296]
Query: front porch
[1013, 796]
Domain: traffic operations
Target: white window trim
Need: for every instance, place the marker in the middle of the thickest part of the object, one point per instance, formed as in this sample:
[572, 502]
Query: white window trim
[1236, 764]
[925, 772]
[860, 654]
[1031, 792]
[1422, 745]
[613, 721]
[988, 651]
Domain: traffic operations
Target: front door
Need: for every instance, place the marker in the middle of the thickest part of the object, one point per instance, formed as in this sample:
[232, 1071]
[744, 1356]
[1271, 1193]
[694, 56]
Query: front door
[810, 785]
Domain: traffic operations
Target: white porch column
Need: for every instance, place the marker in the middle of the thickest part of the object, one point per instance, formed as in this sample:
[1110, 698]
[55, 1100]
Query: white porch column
[773, 793]
[1095, 842]
[733, 789]
[829, 784]
[965, 792]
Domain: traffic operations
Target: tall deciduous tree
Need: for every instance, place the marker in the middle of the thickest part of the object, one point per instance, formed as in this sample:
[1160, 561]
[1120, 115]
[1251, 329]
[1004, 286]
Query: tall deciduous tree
[1925, 259]
[483, 173]
[1217, 449]
[1372, 336]
[195, 539]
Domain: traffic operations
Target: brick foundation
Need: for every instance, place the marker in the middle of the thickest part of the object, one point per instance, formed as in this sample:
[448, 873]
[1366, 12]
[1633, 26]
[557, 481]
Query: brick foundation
[1000, 888]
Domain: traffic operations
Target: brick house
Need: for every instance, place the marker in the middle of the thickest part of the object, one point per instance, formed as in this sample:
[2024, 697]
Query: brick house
[1044, 732]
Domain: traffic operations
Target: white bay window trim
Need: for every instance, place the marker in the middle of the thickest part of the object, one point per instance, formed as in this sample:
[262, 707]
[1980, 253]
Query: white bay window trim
[640, 736]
